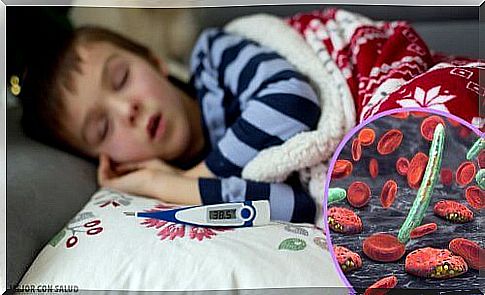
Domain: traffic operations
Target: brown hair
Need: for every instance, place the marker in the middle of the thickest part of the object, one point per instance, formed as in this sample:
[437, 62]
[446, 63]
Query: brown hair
[41, 95]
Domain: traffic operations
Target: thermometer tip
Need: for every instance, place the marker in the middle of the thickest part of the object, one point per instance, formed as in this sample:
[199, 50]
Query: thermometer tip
[129, 213]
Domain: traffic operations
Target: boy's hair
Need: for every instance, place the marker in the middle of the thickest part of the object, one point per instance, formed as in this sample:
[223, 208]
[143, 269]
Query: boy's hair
[41, 95]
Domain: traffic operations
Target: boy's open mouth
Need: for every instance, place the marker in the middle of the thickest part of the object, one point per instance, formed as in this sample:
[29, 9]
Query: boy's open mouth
[153, 125]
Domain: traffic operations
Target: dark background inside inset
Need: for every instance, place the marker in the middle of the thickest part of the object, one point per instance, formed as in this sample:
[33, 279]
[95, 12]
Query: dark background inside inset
[377, 219]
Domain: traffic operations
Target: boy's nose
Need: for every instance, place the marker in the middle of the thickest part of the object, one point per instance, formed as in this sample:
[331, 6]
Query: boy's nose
[128, 112]
[133, 114]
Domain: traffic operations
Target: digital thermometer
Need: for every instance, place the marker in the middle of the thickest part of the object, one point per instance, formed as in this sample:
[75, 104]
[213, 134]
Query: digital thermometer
[248, 213]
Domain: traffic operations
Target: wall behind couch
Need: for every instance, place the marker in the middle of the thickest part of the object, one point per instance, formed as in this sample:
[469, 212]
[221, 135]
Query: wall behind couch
[172, 32]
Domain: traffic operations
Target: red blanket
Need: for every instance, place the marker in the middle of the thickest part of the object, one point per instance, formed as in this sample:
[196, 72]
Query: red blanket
[387, 65]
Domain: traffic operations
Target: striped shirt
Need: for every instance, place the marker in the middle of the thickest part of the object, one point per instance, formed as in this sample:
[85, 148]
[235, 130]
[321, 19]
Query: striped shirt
[251, 99]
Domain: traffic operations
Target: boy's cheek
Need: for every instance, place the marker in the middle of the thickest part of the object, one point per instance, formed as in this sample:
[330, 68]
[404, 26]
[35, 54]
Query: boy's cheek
[125, 152]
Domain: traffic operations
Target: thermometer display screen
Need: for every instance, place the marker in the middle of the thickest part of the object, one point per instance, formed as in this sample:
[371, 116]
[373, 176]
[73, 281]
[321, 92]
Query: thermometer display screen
[222, 214]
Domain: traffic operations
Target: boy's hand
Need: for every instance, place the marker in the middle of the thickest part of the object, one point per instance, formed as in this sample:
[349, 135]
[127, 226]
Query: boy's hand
[153, 164]
[128, 179]
[151, 179]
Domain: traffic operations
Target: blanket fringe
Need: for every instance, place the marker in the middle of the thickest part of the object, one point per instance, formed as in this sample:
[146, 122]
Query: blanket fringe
[310, 148]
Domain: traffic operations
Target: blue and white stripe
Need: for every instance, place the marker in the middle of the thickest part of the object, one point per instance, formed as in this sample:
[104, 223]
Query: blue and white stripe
[251, 99]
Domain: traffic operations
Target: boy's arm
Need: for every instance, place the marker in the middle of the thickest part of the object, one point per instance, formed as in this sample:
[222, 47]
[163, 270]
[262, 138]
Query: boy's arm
[251, 95]
[174, 188]
[200, 170]
[287, 203]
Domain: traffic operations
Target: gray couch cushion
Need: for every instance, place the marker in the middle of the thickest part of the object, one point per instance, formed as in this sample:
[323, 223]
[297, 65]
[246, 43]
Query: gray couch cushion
[45, 189]
[455, 37]
[450, 30]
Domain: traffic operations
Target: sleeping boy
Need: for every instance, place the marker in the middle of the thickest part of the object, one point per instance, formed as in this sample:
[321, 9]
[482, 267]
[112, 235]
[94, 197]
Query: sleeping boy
[104, 96]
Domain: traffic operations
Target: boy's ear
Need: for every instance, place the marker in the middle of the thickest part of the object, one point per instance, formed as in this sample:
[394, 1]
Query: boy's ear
[161, 65]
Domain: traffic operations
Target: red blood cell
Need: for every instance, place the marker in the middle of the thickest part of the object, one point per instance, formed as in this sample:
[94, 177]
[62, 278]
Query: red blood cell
[435, 263]
[373, 168]
[423, 230]
[428, 125]
[343, 220]
[356, 150]
[473, 254]
[389, 142]
[417, 165]
[382, 286]
[358, 194]
[475, 197]
[453, 211]
[342, 169]
[383, 247]
[388, 193]
[400, 115]
[446, 176]
[348, 260]
[402, 166]
[366, 136]
[465, 173]
[481, 159]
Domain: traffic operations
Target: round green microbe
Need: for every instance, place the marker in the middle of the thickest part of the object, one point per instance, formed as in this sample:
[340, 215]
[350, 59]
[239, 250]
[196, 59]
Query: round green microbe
[336, 194]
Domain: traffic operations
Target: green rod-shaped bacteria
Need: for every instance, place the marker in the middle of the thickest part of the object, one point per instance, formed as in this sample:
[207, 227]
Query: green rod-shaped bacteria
[336, 194]
[431, 175]
[475, 149]
[480, 178]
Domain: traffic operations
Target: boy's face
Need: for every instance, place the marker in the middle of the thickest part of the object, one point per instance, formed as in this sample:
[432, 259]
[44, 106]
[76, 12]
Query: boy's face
[124, 107]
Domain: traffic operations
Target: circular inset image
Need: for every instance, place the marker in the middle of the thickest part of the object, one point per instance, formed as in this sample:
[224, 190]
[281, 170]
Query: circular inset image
[404, 195]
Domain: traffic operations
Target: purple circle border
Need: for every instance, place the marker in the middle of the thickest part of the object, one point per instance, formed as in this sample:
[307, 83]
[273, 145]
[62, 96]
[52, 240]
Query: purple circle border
[337, 152]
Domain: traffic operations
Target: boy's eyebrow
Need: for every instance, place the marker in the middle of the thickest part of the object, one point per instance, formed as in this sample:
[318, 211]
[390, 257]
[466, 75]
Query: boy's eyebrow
[104, 82]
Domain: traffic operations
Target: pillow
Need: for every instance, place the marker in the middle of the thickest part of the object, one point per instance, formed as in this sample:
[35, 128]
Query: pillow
[45, 187]
[128, 253]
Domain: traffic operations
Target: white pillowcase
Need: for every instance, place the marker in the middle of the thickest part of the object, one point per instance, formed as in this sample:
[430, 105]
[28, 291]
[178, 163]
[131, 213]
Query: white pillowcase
[103, 249]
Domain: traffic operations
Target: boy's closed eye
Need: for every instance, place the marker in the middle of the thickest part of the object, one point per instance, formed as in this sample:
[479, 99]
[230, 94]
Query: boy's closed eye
[116, 76]
[119, 74]
[98, 128]
[102, 128]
